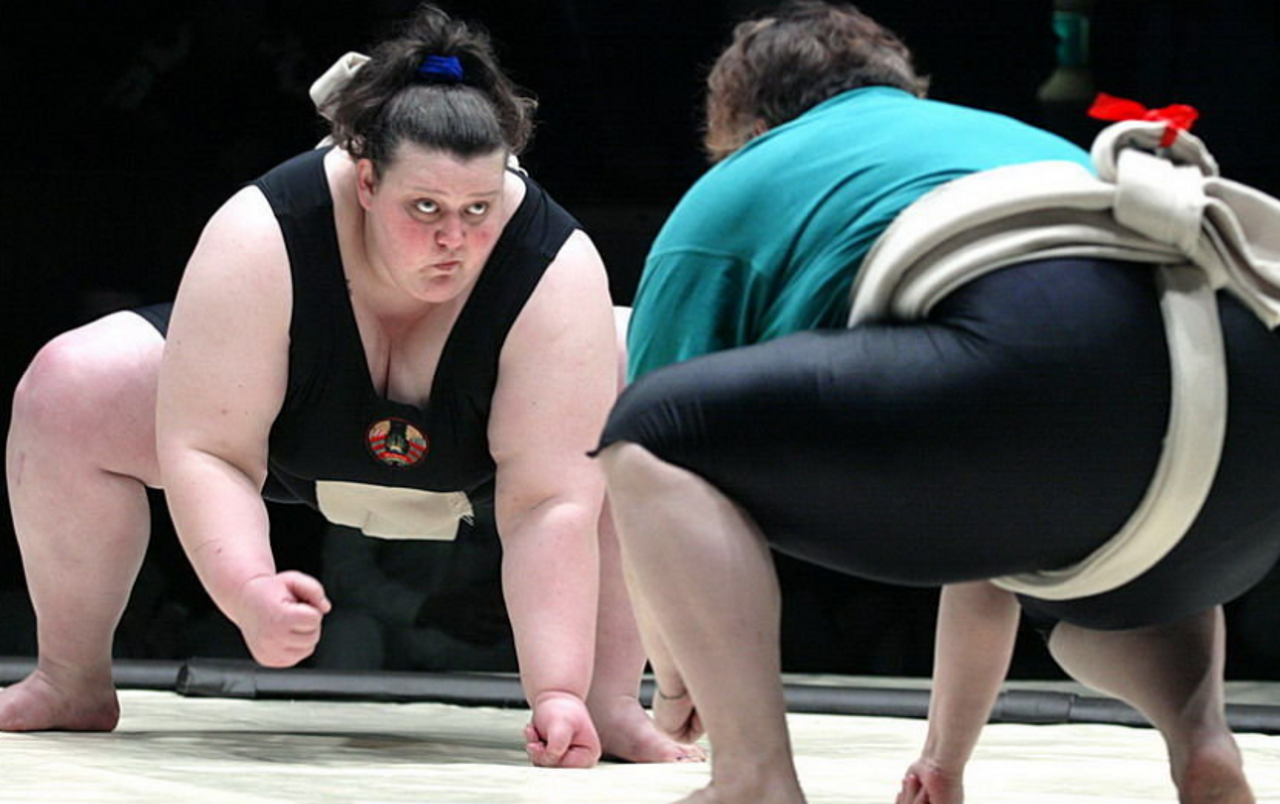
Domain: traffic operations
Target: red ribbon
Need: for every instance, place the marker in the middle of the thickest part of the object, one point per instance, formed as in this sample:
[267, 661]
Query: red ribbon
[1177, 117]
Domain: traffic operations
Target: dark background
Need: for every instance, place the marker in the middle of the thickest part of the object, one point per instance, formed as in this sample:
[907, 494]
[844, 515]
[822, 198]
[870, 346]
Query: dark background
[126, 124]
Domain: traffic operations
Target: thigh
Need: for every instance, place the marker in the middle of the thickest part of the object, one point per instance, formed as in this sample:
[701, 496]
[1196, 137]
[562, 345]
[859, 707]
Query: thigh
[1013, 430]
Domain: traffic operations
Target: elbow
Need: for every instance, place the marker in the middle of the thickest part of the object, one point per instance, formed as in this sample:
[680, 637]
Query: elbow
[185, 463]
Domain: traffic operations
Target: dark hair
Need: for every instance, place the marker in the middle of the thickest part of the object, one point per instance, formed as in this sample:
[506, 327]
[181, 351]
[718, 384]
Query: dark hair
[388, 101]
[783, 63]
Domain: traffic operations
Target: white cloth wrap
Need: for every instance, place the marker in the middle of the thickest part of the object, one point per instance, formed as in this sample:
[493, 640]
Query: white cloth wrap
[1200, 232]
[335, 78]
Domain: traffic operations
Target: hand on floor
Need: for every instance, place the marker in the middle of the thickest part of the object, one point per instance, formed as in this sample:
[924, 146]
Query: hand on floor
[560, 733]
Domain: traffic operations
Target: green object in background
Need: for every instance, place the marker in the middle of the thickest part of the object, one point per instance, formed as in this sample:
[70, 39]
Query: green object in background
[1071, 83]
[1072, 28]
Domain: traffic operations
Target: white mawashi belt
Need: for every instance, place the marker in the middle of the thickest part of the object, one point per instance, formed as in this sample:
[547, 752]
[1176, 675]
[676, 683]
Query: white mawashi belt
[1199, 231]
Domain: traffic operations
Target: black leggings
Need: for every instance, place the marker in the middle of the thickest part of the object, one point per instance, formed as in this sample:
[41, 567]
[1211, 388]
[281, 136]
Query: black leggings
[1014, 430]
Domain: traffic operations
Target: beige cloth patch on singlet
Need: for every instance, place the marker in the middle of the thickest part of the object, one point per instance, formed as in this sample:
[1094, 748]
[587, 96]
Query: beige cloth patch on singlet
[388, 512]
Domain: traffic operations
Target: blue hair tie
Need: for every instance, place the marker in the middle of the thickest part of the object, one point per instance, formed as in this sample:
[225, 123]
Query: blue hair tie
[446, 69]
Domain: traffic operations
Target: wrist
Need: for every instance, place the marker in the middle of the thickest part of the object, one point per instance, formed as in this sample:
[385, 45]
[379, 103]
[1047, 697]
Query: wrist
[236, 602]
[549, 695]
[947, 774]
[946, 760]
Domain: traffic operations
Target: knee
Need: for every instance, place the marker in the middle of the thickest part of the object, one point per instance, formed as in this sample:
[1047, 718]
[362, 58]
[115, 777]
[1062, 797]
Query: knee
[632, 472]
[80, 377]
[55, 380]
[620, 461]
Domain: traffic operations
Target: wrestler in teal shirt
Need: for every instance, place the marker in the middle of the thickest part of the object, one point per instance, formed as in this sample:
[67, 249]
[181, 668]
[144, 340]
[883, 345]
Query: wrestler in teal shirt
[767, 242]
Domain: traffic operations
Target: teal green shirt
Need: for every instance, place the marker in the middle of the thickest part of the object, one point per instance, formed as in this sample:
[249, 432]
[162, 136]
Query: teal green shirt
[767, 242]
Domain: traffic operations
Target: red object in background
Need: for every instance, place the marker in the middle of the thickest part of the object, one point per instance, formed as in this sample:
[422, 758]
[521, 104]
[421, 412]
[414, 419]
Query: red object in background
[1177, 117]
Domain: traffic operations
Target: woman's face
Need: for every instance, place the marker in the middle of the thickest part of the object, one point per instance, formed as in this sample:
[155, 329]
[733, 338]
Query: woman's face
[432, 219]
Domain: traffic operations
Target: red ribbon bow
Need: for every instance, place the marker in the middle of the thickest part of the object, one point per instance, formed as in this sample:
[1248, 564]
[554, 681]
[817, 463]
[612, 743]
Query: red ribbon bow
[1177, 117]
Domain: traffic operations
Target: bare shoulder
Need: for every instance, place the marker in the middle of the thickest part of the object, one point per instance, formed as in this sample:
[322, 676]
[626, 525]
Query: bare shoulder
[575, 277]
[240, 259]
[579, 254]
[245, 227]
[568, 319]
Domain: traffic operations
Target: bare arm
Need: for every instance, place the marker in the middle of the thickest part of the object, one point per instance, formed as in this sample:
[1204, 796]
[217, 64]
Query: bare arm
[557, 381]
[977, 629]
[221, 385]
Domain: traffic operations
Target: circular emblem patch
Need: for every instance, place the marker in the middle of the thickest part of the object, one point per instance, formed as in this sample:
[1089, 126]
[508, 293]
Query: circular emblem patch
[396, 443]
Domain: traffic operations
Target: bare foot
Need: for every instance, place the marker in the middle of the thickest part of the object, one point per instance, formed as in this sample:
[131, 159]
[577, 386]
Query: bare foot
[711, 794]
[704, 796]
[627, 733]
[37, 703]
[1213, 773]
[744, 777]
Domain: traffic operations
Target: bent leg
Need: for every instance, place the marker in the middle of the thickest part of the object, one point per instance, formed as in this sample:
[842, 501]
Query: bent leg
[1173, 675]
[80, 453]
[711, 591]
[626, 731]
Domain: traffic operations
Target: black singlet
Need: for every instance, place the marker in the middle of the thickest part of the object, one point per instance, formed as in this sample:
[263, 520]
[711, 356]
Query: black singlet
[333, 425]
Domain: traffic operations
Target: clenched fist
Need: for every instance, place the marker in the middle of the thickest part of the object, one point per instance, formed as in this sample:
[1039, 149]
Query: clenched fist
[279, 616]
